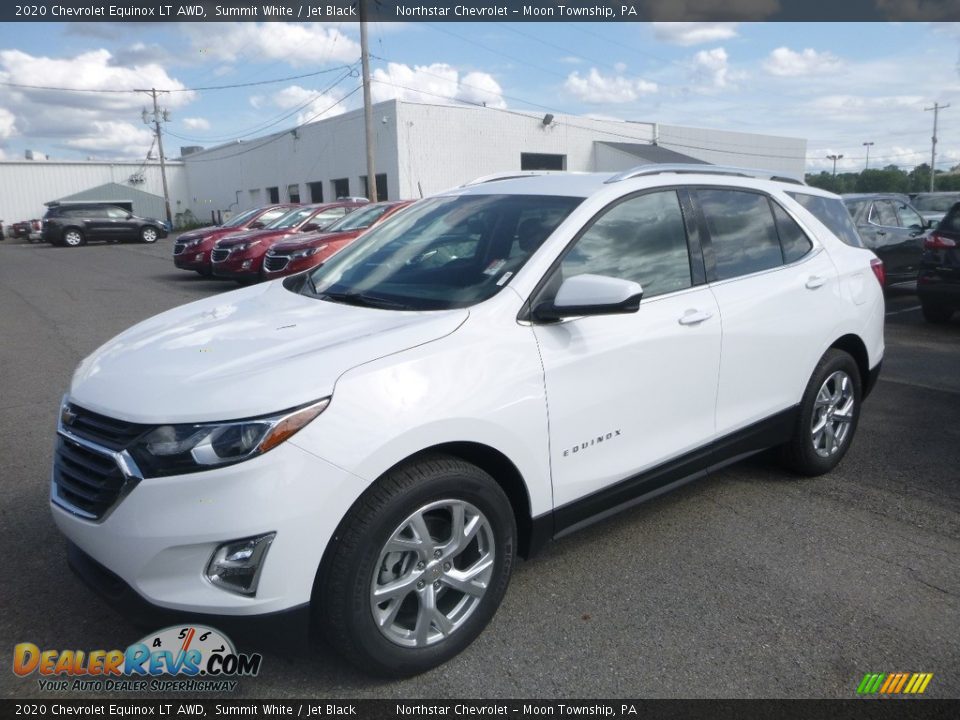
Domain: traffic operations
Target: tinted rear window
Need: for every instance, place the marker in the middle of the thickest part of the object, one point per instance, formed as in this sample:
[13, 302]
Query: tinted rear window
[832, 213]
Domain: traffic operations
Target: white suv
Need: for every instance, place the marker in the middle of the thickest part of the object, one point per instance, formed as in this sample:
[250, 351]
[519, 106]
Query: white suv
[367, 447]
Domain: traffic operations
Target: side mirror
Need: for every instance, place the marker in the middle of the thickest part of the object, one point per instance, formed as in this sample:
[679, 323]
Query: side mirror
[310, 227]
[256, 225]
[591, 295]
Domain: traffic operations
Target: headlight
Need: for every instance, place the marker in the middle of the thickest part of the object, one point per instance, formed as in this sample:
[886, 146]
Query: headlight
[246, 246]
[307, 252]
[176, 449]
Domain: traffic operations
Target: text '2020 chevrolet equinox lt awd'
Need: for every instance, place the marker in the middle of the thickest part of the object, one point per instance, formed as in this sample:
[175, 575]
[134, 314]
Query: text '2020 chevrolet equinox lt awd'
[369, 445]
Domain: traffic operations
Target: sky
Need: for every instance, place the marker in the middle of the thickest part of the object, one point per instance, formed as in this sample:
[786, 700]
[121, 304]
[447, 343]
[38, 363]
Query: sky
[837, 85]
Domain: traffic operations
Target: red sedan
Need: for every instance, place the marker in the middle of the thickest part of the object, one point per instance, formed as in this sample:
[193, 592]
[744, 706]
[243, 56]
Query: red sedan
[240, 256]
[302, 252]
[192, 249]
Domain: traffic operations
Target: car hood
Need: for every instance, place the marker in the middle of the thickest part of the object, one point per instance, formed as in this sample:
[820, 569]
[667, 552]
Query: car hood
[241, 354]
[247, 235]
[201, 233]
[305, 240]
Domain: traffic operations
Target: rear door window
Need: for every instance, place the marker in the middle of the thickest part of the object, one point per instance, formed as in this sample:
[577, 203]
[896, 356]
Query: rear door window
[793, 241]
[883, 213]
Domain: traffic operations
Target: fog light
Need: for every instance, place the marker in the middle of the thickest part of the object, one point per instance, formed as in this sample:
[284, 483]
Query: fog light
[236, 565]
[246, 264]
[198, 257]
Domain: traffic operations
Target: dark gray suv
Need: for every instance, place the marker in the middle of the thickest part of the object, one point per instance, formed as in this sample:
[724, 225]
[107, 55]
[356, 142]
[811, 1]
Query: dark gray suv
[76, 224]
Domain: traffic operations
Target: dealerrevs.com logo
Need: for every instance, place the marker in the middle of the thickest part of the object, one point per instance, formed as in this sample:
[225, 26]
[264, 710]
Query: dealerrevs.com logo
[194, 658]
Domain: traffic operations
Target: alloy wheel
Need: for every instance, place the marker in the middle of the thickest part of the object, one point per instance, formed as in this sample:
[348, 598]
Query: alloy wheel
[432, 573]
[833, 414]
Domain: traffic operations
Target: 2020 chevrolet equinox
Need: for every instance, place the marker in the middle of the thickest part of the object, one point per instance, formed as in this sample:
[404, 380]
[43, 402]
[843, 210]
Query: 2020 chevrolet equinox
[367, 447]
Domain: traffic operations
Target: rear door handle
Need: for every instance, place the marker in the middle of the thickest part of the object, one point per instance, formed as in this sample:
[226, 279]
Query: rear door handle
[694, 317]
[815, 281]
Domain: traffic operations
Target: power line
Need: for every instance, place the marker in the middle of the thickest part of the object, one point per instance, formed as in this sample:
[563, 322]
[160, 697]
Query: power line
[176, 90]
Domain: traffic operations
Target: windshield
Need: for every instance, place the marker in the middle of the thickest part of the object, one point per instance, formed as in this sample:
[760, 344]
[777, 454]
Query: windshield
[292, 219]
[238, 220]
[364, 217]
[441, 253]
[935, 203]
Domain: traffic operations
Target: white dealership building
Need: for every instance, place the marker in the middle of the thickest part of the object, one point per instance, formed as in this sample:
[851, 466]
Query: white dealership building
[421, 148]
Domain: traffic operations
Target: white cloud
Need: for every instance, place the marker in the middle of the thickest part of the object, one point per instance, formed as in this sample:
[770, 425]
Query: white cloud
[310, 105]
[196, 123]
[594, 87]
[8, 124]
[438, 82]
[860, 108]
[106, 123]
[694, 33]
[309, 44]
[785, 62]
[712, 68]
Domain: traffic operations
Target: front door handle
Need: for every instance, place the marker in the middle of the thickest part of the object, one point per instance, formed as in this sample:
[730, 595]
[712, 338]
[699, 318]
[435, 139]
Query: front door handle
[815, 281]
[694, 317]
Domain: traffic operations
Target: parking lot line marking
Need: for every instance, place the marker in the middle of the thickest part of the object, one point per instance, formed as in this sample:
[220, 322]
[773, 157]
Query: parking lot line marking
[897, 312]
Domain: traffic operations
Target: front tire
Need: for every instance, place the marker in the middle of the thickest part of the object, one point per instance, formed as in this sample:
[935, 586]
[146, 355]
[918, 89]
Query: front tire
[149, 235]
[829, 413]
[418, 567]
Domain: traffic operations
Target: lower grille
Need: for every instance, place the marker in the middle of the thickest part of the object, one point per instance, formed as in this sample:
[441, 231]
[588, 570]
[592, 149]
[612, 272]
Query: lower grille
[219, 255]
[276, 262]
[87, 482]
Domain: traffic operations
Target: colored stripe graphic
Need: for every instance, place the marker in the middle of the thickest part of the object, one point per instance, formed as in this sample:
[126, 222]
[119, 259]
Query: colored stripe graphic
[894, 683]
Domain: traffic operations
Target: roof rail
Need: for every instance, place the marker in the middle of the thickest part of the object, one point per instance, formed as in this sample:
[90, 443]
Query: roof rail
[506, 176]
[696, 169]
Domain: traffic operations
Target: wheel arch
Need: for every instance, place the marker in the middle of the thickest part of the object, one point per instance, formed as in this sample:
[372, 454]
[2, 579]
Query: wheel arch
[855, 347]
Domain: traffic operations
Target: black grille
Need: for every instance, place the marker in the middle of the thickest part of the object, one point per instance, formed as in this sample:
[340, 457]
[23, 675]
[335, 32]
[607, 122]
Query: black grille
[86, 480]
[275, 262]
[219, 255]
[102, 430]
[179, 248]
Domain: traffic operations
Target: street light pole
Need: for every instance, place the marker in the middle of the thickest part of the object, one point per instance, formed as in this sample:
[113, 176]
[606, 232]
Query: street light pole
[834, 158]
[937, 107]
[367, 106]
[867, 145]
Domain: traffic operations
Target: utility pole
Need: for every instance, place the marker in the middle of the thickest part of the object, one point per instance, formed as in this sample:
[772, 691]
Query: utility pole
[834, 158]
[867, 145]
[159, 115]
[937, 107]
[367, 109]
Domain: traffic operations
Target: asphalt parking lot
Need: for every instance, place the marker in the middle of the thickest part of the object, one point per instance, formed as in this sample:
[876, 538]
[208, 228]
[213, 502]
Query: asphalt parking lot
[750, 584]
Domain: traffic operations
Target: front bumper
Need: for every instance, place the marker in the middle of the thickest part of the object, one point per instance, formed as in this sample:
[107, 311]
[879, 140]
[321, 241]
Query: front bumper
[159, 538]
[193, 259]
[238, 267]
[285, 629]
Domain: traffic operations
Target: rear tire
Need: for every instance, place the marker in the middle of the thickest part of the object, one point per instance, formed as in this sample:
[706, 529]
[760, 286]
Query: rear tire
[417, 568]
[829, 413]
[72, 237]
[936, 314]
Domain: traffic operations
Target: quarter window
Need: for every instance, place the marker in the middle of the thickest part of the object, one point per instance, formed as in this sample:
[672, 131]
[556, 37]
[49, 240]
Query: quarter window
[641, 239]
[832, 213]
[743, 235]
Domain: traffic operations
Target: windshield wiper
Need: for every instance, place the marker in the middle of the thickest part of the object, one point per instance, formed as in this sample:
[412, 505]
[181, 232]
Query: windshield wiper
[361, 300]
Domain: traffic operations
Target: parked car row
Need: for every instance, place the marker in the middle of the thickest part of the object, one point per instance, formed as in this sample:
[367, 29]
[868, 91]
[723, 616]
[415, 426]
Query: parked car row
[278, 240]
